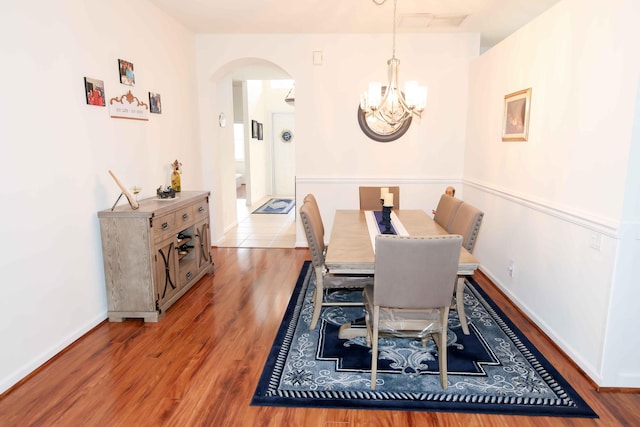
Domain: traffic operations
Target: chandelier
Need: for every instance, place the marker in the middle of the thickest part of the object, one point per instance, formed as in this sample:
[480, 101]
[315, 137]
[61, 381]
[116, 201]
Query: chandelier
[385, 112]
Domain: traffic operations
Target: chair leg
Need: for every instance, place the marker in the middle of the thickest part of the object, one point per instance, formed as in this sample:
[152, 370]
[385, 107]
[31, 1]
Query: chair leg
[367, 322]
[460, 305]
[318, 295]
[374, 347]
[441, 342]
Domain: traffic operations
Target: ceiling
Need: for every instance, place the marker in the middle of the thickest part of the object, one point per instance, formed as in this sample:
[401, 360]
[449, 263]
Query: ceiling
[493, 19]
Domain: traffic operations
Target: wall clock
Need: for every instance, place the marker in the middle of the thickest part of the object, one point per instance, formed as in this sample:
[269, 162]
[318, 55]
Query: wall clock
[286, 135]
[379, 130]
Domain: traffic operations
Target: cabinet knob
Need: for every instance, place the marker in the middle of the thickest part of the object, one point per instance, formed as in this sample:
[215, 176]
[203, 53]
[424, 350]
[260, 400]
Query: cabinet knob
[165, 225]
[201, 209]
[185, 217]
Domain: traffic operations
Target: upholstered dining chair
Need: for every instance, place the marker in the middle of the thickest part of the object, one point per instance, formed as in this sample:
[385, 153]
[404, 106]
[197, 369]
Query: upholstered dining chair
[325, 280]
[412, 292]
[370, 198]
[446, 210]
[314, 204]
[466, 223]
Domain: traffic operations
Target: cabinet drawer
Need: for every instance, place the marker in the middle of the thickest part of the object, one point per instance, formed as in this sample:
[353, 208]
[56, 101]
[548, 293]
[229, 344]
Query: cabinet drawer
[164, 226]
[188, 270]
[201, 210]
[184, 217]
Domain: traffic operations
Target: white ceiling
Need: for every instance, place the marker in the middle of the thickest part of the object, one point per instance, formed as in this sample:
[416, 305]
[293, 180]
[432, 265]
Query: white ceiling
[493, 19]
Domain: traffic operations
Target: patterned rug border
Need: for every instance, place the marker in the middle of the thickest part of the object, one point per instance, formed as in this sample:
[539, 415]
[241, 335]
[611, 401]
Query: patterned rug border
[267, 393]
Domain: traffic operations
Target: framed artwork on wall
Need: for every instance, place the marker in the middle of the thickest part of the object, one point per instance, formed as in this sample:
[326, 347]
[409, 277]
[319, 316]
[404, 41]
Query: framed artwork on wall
[254, 129]
[155, 106]
[94, 91]
[515, 123]
[127, 77]
[260, 132]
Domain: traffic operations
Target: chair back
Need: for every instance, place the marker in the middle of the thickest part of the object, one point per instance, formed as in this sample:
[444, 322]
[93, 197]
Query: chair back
[466, 223]
[415, 272]
[370, 198]
[314, 204]
[312, 224]
[446, 210]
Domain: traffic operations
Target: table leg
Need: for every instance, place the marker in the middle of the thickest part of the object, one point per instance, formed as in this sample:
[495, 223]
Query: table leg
[460, 304]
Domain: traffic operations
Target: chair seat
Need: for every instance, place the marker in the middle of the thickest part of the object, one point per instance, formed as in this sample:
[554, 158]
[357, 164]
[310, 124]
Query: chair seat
[404, 322]
[334, 281]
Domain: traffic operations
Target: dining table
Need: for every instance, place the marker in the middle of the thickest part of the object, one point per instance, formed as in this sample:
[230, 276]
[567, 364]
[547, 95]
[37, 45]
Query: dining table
[351, 248]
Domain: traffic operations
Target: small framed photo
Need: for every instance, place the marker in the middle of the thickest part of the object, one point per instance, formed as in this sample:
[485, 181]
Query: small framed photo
[254, 129]
[155, 106]
[127, 77]
[260, 132]
[94, 91]
[515, 124]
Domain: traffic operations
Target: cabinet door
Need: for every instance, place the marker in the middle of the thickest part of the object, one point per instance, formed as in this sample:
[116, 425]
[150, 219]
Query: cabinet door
[204, 244]
[165, 271]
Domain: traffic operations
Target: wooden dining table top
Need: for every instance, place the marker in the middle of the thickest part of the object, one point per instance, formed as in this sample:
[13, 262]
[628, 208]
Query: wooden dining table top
[350, 249]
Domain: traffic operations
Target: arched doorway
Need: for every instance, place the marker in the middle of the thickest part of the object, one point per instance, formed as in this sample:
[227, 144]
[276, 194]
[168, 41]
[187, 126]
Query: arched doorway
[244, 93]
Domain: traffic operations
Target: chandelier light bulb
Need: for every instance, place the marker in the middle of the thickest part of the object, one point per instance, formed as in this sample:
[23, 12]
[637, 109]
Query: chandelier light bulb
[374, 95]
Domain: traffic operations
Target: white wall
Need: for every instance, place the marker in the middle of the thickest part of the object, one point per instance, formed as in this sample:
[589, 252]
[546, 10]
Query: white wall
[57, 151]
[549, 199]
[333, 156]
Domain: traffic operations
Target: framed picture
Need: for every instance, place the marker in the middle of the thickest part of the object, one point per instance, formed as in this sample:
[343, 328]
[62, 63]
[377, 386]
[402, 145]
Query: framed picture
[127, 77]
[254, 129]
[259, 131]
[94, 91]
[515, 124]
[155, 106]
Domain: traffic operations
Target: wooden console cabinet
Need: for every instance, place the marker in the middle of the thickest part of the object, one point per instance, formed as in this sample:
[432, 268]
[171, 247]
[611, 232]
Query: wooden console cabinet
[154, 254]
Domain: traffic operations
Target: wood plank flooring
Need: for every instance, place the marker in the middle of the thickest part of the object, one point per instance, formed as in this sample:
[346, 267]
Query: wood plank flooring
[200, 364]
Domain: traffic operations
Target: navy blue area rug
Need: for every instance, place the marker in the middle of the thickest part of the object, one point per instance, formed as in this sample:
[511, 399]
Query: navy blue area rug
[494, 370]
[276, 206]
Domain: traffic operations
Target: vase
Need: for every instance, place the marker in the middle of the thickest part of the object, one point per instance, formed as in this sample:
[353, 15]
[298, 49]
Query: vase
[175, 181]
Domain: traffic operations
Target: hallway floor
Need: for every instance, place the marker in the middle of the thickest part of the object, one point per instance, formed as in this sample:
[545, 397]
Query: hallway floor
[261, 230]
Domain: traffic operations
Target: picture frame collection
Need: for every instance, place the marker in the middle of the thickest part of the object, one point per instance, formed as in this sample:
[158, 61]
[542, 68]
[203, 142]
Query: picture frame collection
[95, 91]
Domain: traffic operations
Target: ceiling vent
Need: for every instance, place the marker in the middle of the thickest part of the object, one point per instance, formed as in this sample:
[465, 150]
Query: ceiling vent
[429, 20]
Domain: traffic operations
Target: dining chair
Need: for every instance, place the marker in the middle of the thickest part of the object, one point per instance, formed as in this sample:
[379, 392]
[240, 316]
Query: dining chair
[466, 223]
[325, 280]
[370, 198]
[446, 210]
[411, 293]
[314, 204]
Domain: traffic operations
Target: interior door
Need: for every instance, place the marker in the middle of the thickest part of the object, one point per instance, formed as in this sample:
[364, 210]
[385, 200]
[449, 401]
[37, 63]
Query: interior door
[283, 140]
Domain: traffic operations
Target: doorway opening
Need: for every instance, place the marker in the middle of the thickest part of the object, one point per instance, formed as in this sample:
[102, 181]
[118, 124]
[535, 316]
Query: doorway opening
[264, 164]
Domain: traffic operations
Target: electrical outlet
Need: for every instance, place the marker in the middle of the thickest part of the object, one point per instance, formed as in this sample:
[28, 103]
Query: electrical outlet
[511, 267]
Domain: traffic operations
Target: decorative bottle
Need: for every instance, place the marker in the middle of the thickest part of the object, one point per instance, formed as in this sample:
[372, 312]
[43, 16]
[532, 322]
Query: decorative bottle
[175, 176]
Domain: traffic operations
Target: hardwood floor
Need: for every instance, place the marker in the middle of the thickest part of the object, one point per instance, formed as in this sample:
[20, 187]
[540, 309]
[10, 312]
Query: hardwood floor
[200, 364]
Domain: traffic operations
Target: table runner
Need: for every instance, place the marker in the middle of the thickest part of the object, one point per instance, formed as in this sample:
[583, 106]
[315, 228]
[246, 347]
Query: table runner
[373, 219]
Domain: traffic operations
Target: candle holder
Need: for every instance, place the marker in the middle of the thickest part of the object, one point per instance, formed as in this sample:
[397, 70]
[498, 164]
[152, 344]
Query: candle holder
[382, 205]
[386, 220]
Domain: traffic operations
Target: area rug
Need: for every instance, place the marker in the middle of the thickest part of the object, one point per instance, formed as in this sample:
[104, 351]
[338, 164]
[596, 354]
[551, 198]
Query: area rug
[494, 370]
[276, 206]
